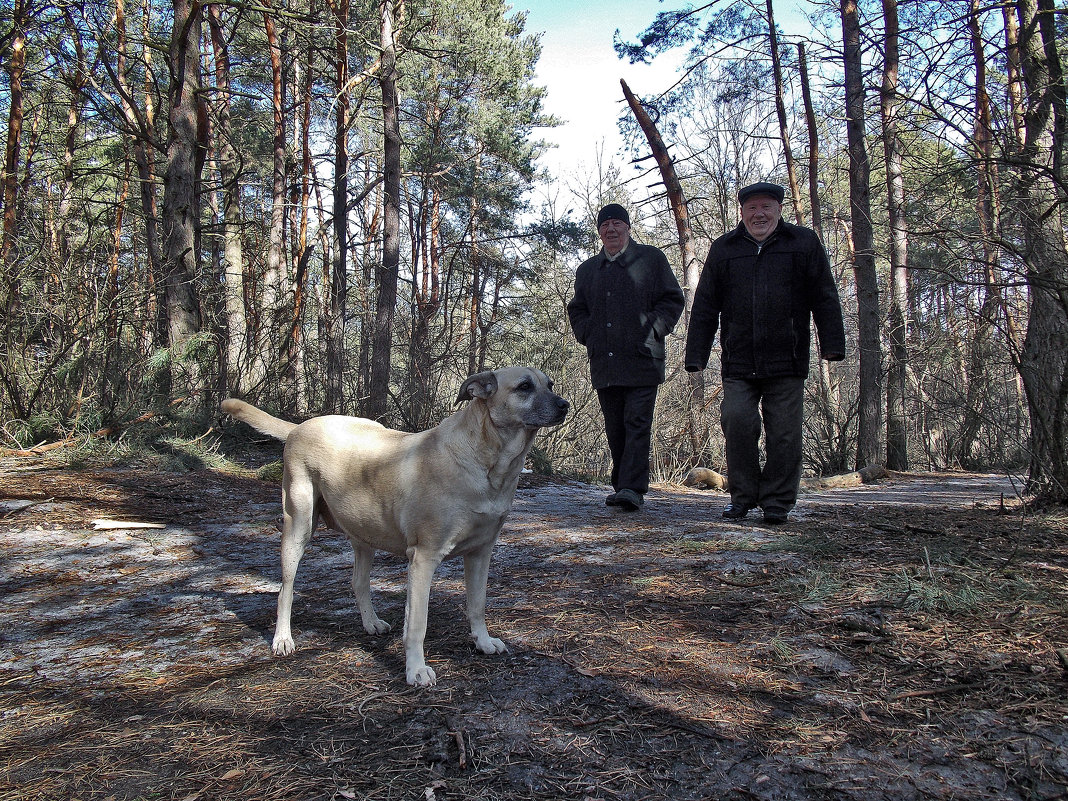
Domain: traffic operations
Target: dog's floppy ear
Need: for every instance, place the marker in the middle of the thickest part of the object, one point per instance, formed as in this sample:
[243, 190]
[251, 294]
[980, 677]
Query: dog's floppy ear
[480, 385]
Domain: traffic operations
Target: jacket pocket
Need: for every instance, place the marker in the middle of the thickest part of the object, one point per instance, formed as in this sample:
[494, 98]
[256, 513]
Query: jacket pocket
[652, 346]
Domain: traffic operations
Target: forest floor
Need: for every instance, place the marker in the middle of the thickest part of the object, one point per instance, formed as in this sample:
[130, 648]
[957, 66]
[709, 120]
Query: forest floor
[900, 640]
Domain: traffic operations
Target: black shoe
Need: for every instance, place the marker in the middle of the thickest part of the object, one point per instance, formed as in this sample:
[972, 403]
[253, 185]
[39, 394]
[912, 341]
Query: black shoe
[612, 500]
[735, 511]
[774, 517]
[629, 500]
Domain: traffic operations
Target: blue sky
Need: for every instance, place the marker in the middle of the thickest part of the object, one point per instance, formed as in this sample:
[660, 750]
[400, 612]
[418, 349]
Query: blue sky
[581, 71]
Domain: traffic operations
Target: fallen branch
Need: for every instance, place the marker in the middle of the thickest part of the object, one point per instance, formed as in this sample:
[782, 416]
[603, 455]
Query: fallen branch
[117, 524]
[955, 688]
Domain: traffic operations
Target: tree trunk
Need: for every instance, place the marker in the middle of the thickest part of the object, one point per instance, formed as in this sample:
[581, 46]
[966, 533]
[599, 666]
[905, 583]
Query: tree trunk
[980, 346]
[870, 399]
[144, 148]
[266, 355]
[294, 371]
[828, 407]
[78, 81]
[426, 303]
[16, 67]
[691, 264]
[813, 143]
[236, 349]
[332, 314]
[1014, 75]
[388, 273]
[186, 149]
[897, 457]
[112, 342]
[780, 112]
[477, 280]
[1044, 358]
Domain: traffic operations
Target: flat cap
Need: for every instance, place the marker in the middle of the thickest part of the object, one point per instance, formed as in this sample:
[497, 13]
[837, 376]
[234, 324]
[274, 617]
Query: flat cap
[761, 188]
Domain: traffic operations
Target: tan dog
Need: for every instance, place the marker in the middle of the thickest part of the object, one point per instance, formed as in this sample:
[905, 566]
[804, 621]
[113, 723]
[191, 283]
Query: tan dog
[429, 496]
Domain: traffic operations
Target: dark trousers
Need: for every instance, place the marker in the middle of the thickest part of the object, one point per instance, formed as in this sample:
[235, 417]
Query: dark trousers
[778, 404]
[628, 422]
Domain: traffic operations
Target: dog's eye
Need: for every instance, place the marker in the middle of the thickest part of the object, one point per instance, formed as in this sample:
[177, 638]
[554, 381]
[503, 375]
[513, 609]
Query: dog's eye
[525, 386]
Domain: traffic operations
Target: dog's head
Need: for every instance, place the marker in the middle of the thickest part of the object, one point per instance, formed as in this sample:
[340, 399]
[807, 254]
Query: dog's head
[516, 397]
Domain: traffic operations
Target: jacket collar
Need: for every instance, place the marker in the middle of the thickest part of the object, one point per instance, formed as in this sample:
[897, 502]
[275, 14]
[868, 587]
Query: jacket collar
[621, 258]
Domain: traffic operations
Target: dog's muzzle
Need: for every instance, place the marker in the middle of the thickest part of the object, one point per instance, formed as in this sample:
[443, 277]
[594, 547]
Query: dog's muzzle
[560, 407]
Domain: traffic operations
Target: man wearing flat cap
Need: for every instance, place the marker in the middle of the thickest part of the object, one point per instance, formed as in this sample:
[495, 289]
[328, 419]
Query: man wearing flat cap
[762, 286]
[627, 300]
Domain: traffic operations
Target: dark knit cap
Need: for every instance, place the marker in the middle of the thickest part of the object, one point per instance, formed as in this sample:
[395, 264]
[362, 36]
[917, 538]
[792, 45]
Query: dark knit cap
[613, 211]
[761, 188]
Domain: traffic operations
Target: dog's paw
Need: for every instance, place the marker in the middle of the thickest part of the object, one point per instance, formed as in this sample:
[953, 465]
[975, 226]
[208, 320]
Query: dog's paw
[490, 645]
[283, 645]
[422, 676]
[376, 626]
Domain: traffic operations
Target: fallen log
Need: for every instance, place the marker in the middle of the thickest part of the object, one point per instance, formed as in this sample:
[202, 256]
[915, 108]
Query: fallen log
[705, 478]
[865, 475]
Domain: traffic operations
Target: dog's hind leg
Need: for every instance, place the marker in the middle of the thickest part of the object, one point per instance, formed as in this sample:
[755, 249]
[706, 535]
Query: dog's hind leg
[420, 576]
[298, 521]
[476, 576]
[361, 588]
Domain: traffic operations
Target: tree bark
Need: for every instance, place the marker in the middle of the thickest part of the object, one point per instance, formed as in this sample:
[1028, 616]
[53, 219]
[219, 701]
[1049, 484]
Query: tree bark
[980, 346]
[1014, 75]
[16, 68]
[236, 349]
[266, 355]
[1044, 358]
[186, 149]
[813, 143]
[294, 371]
[388, 273]
[332, 314]
[478, 281]
[144, 149]
[780, 112]
[897, 457]
[870, 398]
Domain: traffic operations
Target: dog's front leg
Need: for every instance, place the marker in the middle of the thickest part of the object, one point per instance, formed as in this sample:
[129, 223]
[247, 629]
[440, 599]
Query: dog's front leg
[476, 576]
[420, 576]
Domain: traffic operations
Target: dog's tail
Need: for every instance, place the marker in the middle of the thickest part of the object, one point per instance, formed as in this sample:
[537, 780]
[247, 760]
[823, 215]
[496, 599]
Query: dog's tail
[259, 420]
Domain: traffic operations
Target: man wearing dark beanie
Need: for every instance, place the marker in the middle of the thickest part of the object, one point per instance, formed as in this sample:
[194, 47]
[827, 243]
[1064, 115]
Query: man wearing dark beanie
[762, 286]
[627, 300]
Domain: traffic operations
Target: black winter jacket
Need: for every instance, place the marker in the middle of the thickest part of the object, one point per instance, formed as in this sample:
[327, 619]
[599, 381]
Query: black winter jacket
[622, 311]
[762, 298]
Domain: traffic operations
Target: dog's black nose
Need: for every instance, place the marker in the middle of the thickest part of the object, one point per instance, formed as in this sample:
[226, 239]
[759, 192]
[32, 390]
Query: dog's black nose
[562, 404]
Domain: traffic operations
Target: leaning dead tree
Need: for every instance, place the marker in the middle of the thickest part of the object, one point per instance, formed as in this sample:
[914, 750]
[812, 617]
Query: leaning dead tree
[691, 265]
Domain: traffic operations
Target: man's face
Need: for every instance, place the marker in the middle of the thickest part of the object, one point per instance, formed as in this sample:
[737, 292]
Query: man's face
[614, 235]
[760, 215]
